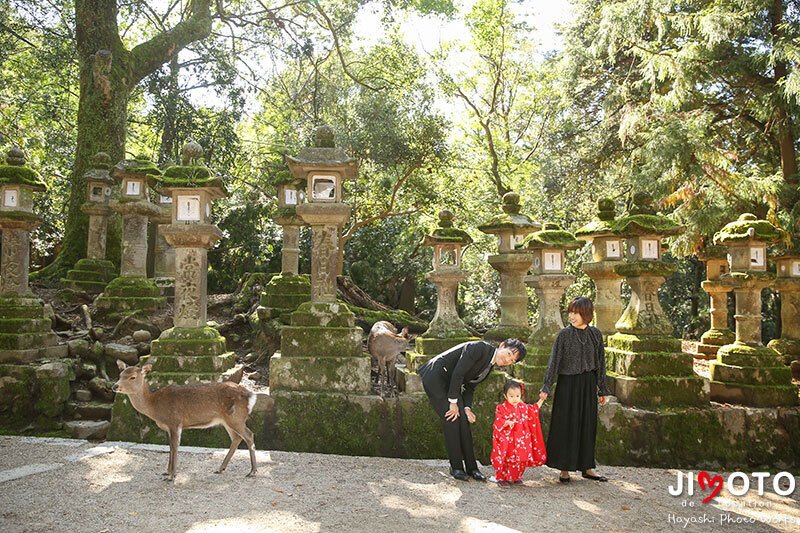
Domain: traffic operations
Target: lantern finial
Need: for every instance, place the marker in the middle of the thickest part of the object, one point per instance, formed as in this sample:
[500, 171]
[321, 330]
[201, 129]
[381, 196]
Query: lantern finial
[324, 137]
[15, 157]
[191, 153]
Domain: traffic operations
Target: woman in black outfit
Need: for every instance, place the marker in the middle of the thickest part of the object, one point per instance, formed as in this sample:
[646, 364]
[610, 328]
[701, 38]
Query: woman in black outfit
[578, 359]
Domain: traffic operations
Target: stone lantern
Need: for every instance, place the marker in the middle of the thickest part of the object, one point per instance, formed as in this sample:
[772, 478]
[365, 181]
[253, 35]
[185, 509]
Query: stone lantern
[93, 273]
[787, 284]
[643, 360]
[511, 228]
[164, 260]
[549, 280]
[290, 195]
[321, 349]
[717, 286]
[133, 291]
[607, 252]
[25, 328]
[746, 372]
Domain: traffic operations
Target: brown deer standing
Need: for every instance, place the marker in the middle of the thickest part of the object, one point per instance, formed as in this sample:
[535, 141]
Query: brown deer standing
[175, 408]
[384, 344]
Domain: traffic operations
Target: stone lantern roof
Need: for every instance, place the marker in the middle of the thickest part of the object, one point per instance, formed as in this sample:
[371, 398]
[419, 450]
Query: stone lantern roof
[16, 172]
[510, 219]
[712, 252]
[552, 236]
[190, 174]
[643, 220]
[748, 228]
[446, 233]
[139, 167]
[321, 156]
[100, 169]
[604, 225]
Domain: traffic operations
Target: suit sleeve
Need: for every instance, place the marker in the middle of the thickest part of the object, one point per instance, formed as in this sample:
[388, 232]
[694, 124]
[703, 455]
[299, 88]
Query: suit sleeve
[465, 362]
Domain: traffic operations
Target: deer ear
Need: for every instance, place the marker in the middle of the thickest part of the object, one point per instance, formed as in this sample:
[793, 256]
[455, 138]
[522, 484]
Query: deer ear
[147, 368]
[121, 365]
[404, 333]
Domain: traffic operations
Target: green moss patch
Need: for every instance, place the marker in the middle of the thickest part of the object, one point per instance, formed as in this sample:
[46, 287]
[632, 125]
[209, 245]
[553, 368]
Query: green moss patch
[328, 374]
[739, 230]
[22, 175]
[314, 341]
[644, 224]
[551, 238]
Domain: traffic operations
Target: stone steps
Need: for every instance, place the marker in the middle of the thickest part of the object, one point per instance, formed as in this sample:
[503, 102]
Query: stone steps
[91, 410]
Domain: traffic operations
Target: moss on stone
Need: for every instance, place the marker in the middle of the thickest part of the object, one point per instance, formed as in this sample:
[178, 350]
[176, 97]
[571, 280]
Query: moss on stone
[321, 341]
[140, 167]
[367, 317]
[322, 374]
[505, 221]
[634, 269]
[22, 175]
[645, 224]
[739, 231]
[20, 216]
[551, 238]
[447, 235]
[132, 286]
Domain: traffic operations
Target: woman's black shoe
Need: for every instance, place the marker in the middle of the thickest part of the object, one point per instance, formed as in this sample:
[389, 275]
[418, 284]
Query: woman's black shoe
[564, 479]
[594, 478]
[459, 474]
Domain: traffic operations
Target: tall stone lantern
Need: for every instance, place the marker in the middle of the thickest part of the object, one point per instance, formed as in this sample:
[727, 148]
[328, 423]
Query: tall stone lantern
[643, 360]
[746, 372]
[25, 328]
[511, 228]
[607, 252]
[549, 280]
[164, 260]
[92, 273]
[290, 195]
[133, 292]
[788, 285]
[717, 286]
[321, 349]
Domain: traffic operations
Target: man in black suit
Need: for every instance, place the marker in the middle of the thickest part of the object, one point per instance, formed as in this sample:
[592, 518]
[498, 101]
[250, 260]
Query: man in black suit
[449, 380]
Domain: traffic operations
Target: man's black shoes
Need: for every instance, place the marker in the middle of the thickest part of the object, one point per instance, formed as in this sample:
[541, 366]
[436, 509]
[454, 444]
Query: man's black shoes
[477, 476]
[459, 474]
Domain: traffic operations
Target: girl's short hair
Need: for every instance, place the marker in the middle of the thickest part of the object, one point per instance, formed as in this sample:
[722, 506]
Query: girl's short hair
[583, 306]
[511, 384]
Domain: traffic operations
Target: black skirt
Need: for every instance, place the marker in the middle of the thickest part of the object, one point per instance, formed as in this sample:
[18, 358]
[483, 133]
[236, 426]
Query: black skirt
[573, 424]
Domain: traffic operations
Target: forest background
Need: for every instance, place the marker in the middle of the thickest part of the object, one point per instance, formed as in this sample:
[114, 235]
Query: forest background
[446, 104]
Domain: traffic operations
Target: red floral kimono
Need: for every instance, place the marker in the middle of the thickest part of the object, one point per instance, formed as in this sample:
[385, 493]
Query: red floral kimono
[516, 448]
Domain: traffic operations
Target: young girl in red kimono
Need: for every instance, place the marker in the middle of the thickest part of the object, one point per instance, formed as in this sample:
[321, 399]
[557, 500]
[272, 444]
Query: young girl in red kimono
[517, 442]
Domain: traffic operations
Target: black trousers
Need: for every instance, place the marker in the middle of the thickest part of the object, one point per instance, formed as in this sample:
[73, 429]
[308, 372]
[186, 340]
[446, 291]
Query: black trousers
[573, 424]
[457, 434]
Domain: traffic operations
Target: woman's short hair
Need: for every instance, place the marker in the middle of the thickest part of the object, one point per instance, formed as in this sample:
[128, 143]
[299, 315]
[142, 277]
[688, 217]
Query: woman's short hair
[583, 306]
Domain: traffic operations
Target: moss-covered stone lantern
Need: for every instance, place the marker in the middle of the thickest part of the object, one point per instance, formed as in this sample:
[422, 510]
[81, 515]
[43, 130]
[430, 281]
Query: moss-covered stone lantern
[164, 252]
[290, 195]
[548, 247]
[787, 284]
[746, 372]
[321, 349]
[133, 292]
[92, 273]
[25, 328]
[643, 360]
[607, 252]
[511, 228]
[717, 287]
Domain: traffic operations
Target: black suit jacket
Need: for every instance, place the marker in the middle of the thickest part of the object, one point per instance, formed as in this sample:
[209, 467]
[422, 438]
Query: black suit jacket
[460, 365]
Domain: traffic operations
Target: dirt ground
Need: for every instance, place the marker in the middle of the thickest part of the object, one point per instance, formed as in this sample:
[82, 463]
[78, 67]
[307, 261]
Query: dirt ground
[54, 485]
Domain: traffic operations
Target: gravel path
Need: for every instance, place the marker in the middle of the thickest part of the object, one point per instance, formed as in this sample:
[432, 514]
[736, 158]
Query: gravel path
[49, 485]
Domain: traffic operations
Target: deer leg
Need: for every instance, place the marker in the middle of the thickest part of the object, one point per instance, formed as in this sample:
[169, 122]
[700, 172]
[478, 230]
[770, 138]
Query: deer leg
[235, 440]
[174, 442]
[245, 434]
[392, 371]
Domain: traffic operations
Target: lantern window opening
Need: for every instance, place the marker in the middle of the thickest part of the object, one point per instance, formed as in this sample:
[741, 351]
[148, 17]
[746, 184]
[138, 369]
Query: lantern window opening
[757, 256]
[552, 261]
[613, 249]
[323, 188]
[133, 188]
[188, 209]
[650, 248]
[796, 268]
[11, 198]
[97, 191]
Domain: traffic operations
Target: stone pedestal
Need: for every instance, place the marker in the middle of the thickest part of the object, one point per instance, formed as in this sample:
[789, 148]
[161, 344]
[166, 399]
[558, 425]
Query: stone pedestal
[164, 260]
[549, 290]
[25, 327]
[643, 360]
[719, 334]
[513, 297]
[290, 252]
[746, 372]
[608, 306]
[133, 291]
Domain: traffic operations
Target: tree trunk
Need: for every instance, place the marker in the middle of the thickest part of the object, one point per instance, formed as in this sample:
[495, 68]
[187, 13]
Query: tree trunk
[168, 136]
[783, 119]
[108, 72]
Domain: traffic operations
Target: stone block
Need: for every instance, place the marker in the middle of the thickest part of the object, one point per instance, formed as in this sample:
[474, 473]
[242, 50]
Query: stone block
[743, 355]
[328, 374]
[126, 354]
[774, 375]
[408, 381]
[658, 391]
[644, 343]
[415, 360]
[754, 395]
[53, 388]
[189, 342]
[306, 341]
[643, 364]
[88, 429]
[334, 315]
[204, 364]
[78, 347]
[435, 346]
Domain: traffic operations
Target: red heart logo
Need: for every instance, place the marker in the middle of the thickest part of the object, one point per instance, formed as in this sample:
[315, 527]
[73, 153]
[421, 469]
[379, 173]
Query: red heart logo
[707, 481]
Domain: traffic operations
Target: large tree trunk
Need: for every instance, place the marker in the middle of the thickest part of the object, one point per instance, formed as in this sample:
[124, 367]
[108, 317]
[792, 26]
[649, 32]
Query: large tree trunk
[108, 72]
[783, 119]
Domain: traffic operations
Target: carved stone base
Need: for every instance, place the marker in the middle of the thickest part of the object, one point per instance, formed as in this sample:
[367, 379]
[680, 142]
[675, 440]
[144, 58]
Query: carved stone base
[125, 296]
[322, 374]
[25, 331]
[90, 275]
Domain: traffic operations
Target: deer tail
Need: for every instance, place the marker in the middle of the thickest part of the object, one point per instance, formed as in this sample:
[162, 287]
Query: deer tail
[251, 401]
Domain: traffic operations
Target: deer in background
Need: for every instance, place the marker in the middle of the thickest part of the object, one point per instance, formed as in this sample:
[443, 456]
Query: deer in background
[384, 345]
[175, 408]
